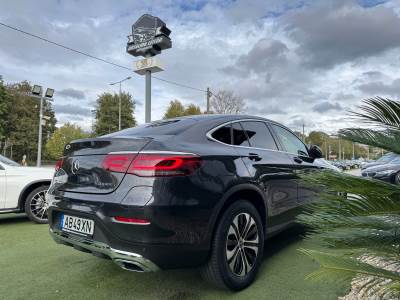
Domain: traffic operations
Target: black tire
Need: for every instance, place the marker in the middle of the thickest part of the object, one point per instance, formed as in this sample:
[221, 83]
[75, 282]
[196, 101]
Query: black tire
[396, 179]
[234, 273]
[35, 205]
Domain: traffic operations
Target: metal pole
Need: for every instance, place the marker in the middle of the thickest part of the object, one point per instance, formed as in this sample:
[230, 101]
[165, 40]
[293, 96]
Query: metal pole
[304, 137]
[329, 152]
[148, 97]
[119, 107]
[339, 150]
[326, 150]
[353, 151]
[39, 152]
[208, 100]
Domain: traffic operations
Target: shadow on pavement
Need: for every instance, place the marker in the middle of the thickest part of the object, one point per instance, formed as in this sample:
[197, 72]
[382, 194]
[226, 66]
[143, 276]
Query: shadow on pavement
[282, 240]
[13, 218]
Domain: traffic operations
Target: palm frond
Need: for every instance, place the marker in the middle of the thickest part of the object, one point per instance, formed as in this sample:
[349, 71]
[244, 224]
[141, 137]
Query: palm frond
[388, 139]
[380, 112]
[364, 197]
[355, 223]
[355, 217]
[360, 240]
[341, 268]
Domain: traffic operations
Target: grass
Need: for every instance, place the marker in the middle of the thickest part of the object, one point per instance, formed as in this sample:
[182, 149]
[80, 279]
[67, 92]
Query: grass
[32, 266]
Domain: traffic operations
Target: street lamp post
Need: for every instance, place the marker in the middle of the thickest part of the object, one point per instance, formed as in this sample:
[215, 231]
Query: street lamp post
[119, 104]
[37, 93]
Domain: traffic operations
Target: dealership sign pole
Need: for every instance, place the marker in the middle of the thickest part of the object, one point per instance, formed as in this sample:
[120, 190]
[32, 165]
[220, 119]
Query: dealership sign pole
[149, 37]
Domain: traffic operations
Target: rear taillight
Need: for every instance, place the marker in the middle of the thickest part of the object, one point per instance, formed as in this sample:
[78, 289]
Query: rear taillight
[159, 165]
[117, 162]
[59, 164]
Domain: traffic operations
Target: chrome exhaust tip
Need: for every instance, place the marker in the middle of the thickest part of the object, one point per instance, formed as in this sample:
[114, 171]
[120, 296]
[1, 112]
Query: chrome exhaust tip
[130, 266]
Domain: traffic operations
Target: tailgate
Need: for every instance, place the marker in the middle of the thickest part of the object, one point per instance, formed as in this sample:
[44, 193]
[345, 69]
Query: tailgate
[85, 164]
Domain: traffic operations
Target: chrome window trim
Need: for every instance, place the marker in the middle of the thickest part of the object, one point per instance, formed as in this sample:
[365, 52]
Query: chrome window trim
[152, 152]
[211, 131]
[123, 152]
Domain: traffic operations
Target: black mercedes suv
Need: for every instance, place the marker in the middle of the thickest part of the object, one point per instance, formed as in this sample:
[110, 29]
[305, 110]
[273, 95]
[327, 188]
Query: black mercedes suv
[195, 191]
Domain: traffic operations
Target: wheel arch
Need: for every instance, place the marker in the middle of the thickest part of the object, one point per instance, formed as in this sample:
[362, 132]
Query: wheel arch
[246, 191]
[28, 189]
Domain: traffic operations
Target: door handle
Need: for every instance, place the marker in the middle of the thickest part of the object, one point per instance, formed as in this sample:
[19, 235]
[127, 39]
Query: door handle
[297, 160]
[254, 156]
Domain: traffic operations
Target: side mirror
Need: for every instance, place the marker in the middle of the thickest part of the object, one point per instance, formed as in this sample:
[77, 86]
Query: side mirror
[315, 152]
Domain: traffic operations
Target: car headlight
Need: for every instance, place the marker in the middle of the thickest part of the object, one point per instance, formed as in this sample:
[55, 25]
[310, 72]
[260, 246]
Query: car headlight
[385, 172]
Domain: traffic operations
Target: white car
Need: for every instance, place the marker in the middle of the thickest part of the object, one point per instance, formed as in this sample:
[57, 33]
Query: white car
[23, 189]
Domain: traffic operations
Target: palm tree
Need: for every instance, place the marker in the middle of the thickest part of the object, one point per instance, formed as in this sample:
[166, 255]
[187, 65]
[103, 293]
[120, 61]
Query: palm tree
[357, 237]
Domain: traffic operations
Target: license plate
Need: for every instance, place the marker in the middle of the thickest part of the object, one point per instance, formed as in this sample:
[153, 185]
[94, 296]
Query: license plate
[77, 225]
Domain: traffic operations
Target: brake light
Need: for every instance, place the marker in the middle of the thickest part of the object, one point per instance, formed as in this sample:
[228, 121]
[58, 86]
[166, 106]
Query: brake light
[59, 164]
[159, 165]
[136, 221]
[117, 162]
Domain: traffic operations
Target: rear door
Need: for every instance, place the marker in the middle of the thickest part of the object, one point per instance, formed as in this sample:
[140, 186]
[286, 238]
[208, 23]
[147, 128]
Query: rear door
[269, 167]
[2, 186]
[298, 154]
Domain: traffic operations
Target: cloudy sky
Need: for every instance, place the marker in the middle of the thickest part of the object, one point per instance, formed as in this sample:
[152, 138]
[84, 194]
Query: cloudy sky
[292, 61]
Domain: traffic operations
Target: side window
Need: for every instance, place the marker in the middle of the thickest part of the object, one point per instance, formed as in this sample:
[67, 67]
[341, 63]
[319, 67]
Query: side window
[239, 137]
[259, 135]
[291, 142]
[223, 134]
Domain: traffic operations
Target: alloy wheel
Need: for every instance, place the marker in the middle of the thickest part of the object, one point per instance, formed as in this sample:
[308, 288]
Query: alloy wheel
[242, 244]
[38, 205]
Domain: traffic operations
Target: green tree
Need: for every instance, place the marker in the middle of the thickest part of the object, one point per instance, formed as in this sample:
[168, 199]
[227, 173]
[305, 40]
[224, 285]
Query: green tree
[62, 136]
[175, 109]
[358, 235]
[317, 138]
[22, 121]
[4, 109]
[192, 109]
[107, 112]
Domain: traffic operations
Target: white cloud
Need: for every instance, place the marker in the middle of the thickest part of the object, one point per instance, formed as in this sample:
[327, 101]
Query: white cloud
[277, 55]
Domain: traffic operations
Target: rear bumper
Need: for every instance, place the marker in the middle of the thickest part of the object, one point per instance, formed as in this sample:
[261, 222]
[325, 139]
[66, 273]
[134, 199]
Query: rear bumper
[127, 260]
[174, 239]
[387, 178]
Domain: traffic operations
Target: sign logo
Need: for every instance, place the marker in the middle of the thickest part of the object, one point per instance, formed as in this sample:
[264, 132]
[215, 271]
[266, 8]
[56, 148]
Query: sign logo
[144, 63]
[149, 37]
[75, 166]
[142, 34]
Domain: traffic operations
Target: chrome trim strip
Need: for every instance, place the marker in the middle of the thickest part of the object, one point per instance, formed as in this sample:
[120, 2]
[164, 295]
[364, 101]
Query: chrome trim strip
[124, 152]
[167, 152]
[7, 210]
[152, 152]
[116, 255]
[125, 253]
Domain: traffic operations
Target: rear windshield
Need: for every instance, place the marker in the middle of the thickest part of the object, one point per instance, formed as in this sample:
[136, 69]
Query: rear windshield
[396, 160]
[387, 157]
[167, 127]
